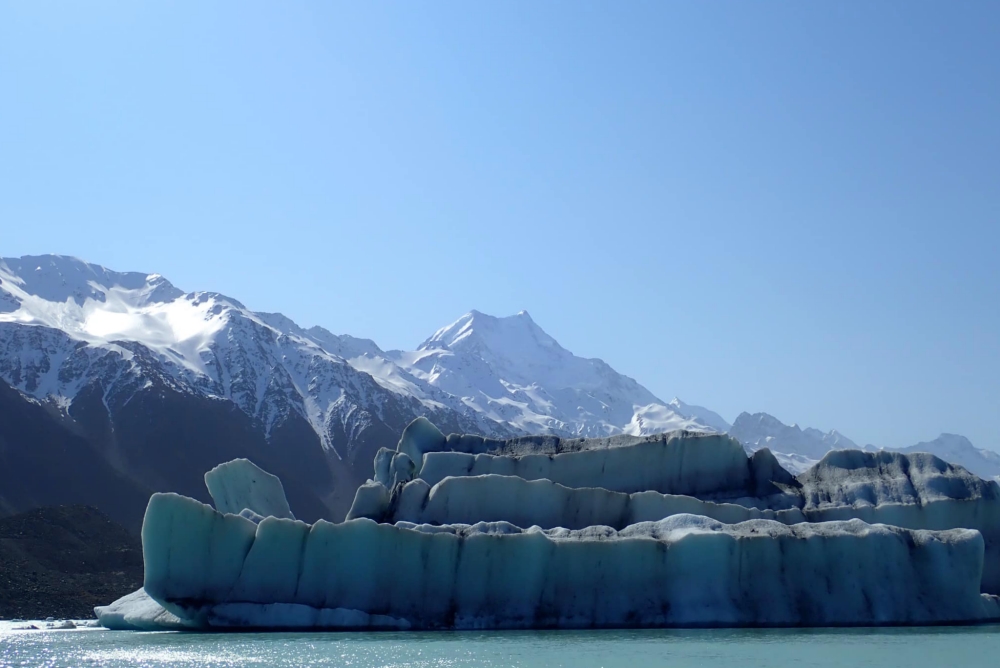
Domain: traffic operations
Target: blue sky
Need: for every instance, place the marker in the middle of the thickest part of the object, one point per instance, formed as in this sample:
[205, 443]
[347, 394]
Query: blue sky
[790, 207]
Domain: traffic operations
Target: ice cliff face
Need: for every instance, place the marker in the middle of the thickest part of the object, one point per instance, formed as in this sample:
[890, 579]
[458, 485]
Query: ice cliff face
[681, 571]
[617, 482]
[745, 544]
[241, 485]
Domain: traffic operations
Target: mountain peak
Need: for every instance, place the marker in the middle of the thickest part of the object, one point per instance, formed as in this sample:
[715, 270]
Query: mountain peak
[954, 441]
[699, 413]
[957, 449]
[515, 334]
[761, 430]
[502, 374]
[760, 420]
[511, 370]
[59, 278]
[91, 304]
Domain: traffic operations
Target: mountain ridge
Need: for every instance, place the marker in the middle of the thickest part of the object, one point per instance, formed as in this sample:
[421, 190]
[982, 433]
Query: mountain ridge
[113, 351]
[798, 449]
[110, 351]
[526, 381]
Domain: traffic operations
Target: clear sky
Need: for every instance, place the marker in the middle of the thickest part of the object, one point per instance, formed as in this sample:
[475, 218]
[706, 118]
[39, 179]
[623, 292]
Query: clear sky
[779, 206]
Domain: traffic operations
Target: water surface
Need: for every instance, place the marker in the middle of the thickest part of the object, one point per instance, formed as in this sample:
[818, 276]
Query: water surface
[885, 648]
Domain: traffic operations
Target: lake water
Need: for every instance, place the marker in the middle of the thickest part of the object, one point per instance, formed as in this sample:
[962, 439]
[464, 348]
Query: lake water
[856, 648]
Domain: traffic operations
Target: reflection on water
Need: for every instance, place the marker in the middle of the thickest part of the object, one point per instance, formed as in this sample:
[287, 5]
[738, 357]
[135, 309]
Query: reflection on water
[746, 648]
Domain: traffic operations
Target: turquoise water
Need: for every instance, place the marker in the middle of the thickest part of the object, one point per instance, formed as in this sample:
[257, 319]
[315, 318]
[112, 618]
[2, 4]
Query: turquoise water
[857, 648]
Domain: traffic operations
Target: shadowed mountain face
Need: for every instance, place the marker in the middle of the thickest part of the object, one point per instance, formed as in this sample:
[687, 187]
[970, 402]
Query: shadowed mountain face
[120, 385]
[144, 387]
[157, 440]
[114, 385]
[115, 455]
[45, 460]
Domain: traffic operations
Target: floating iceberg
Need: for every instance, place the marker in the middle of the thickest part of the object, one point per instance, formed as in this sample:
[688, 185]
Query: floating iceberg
[673, 530]
[683, 570]
[552, 482]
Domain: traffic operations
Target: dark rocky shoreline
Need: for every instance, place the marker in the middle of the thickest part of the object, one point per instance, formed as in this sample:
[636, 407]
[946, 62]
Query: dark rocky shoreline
[61, 561]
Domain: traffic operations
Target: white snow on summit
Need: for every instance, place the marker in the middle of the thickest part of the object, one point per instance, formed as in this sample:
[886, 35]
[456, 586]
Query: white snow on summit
[761, 430]
[511, 371]
[100, 307]
[656, 417]
[65, 323]
[701, 414]
[62, 320]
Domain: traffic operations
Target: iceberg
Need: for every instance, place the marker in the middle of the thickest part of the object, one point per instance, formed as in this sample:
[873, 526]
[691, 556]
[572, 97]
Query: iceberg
[680, 529]
[690, 463]
[575, 483]
[685, 570]
[913, 491]
[240, 484]
[138, 612]
[542, 503]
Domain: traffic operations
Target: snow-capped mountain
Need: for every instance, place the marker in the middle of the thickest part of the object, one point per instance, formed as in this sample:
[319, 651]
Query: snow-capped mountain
[72, 334]
[795, 448]
[109, 350]
[511, 371]
[161, 385]
[700, 414]
[798, 449]
[959, 450]
[203, 343]
[761, 430]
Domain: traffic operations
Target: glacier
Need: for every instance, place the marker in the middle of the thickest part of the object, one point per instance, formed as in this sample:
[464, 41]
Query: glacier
[681, 529]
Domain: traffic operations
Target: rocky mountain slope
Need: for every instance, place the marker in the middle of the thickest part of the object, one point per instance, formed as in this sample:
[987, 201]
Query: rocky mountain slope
[161, 383]
[142, 386]
[156, 385]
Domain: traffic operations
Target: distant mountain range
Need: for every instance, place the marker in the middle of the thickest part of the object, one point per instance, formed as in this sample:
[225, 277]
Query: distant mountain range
[144, 387]
[797, 449]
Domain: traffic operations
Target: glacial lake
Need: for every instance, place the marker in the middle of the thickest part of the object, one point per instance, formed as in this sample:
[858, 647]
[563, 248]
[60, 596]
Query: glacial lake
[856, 648]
